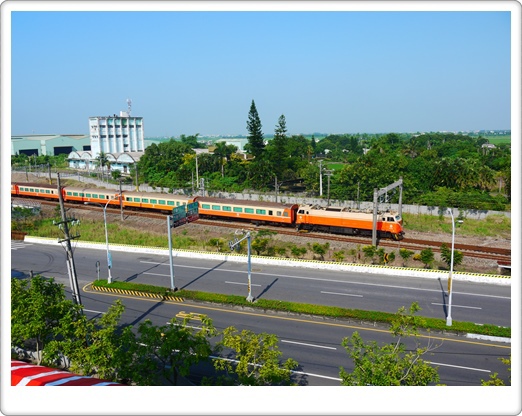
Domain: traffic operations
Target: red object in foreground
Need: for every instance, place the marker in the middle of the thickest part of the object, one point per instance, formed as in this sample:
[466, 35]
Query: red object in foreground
[25, 374]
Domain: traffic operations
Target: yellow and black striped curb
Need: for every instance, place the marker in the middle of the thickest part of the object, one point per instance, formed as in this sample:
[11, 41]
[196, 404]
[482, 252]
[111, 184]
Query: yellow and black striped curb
[137, 293]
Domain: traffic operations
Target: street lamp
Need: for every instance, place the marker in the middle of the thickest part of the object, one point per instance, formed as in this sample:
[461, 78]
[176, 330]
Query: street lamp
[109, 258]
[450, 277]
[232, 245]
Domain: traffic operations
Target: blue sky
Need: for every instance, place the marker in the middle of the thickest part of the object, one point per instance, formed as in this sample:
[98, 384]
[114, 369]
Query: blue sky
[197, 72]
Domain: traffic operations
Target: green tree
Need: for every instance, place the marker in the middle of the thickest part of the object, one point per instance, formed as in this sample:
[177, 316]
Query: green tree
[369, 252]
[256, 144]
[445, 254]
[277, 148]
[338, 256]
[92, 346]
[259, 245]
[320, 249]
[493, 378]
[38, 308]
[298, 251]
[405, 255]
[257, 359]
[391, 364]
[161, 354]
[427, 257]
[192, 141]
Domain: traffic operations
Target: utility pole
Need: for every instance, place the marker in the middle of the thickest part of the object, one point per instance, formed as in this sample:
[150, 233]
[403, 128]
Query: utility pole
[321, 178]
[64, 226]
[121, 202]
[328, 173]
[376, 194]
[202, 186]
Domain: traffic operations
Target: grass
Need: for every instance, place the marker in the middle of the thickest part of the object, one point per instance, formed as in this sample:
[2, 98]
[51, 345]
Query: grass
[492, 226]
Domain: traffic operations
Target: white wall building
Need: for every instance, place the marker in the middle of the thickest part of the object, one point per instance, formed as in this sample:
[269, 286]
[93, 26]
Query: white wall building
[116, 134]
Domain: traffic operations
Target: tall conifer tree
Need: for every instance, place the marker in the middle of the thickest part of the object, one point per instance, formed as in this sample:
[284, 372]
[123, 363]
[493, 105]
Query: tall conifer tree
[256, 144]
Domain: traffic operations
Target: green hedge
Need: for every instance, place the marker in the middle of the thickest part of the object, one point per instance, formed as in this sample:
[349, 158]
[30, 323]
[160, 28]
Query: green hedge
[309, 309]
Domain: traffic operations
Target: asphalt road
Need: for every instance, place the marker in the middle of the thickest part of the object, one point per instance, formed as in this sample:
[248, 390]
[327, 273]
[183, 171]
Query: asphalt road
[472, 302]
[315, 342]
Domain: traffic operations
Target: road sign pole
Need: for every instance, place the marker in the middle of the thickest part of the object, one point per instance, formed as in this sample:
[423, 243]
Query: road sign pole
[172, 286]
[249, 297]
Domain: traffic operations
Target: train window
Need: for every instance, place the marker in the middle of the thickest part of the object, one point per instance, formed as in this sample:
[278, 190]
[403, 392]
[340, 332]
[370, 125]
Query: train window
[162, 202]
[285, 214]
[249, 210]
[145, 200]
[390, 219]
[95, 195]
[75, 193]
[270, 212]
[170, 202]
[205, 206]
[227, 208]
[136, 200]
[82, 194]
[153, 201]
[278, 213]
[261, 211]
[47, 191]
[216, 208]
[89, 195]
[301, 211]
[68, 193]
[129, 199]
[238, 209]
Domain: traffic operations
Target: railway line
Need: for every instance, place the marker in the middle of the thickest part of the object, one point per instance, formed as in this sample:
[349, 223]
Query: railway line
[501, 255]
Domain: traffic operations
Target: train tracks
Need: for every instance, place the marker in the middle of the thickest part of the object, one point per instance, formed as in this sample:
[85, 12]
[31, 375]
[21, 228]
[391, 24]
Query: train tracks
[501, 255]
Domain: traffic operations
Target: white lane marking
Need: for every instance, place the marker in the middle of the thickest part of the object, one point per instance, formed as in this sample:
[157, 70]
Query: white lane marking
[239, 283]
[16, 246]
[308, 345]
[459, 366]
[292, 371]
[330, 280]
[89, 310]
[456, 306]
[342, 294]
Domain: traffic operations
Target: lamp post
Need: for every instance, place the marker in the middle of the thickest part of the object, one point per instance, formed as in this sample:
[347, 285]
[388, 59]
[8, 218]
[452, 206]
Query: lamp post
[232, 245]
[450, 277]
[109, 259]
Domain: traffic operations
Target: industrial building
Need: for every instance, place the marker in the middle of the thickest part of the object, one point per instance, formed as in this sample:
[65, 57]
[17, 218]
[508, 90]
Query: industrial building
[116, 134]
[49, 144]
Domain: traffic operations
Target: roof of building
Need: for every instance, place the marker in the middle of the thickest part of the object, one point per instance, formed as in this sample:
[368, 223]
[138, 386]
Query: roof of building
[40, 137]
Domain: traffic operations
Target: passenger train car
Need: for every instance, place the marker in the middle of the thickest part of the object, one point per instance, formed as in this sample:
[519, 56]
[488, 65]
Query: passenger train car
[252, 211]
[337, 220]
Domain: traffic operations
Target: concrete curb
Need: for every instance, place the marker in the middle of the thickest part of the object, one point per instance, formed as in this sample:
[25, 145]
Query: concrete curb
[276, 261]
[136, 293]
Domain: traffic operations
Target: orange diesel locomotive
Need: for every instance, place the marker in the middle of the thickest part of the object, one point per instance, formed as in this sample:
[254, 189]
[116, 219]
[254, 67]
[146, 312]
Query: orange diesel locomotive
[340, 220]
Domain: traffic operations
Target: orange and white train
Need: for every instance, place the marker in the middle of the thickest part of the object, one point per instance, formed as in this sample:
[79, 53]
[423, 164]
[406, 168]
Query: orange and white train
[336, 220]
